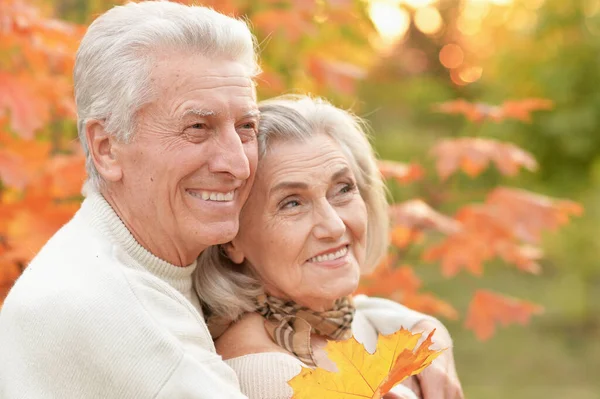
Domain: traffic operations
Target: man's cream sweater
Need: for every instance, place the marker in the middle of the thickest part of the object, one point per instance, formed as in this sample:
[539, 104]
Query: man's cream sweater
[95, 315]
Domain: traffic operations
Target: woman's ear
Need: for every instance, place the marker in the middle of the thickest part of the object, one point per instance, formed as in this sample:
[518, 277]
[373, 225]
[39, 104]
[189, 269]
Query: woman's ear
[234, 253]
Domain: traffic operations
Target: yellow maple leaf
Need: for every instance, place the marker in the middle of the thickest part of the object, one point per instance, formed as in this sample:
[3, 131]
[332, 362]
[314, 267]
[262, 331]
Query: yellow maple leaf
[362, 374]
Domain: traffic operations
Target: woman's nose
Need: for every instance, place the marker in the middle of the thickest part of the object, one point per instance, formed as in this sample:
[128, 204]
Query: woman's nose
[328, 222]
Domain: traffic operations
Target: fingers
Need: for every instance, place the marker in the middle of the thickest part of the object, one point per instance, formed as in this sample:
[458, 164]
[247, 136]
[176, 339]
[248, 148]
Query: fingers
[438, 383]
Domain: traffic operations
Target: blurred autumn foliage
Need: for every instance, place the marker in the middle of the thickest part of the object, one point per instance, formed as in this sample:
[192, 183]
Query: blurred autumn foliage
[322, 47]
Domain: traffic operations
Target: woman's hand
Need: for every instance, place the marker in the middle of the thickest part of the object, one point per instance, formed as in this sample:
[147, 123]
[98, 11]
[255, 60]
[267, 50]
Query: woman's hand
[439, 380]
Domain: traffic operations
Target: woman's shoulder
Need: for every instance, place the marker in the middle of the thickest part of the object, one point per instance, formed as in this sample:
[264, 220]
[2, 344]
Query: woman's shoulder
[245, 337]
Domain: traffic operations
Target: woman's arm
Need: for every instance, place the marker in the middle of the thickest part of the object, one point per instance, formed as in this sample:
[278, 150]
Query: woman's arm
[265, 375]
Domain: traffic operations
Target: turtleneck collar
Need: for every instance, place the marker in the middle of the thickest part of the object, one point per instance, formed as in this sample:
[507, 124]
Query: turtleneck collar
[102, 217]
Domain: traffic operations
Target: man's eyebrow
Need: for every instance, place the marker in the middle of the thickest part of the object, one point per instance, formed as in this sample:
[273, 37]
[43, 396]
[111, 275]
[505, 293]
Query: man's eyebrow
[199, 112]
[252, 114]
[208, 112]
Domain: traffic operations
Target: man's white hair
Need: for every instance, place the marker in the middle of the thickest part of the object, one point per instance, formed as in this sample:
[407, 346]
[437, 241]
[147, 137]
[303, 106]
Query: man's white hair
[226, 289]
[115, 57]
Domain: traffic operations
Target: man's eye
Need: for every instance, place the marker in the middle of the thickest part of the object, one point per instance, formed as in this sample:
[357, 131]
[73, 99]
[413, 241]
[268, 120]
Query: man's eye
[198, 126]
[249, 125]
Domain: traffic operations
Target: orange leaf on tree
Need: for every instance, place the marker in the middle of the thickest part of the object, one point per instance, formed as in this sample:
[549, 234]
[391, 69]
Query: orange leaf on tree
[290, 23]
[21, 160]
[429, 304]
[401, 172]
[473, 156]
[402, 236]
[34, 221]
[362, 374]
[337, 75]
[27, 109]
[402, 284]
[68, 174]
[488, 309]
[386, 280]
[9, 272]
[479, 112]
[529, 214]
[417, 215]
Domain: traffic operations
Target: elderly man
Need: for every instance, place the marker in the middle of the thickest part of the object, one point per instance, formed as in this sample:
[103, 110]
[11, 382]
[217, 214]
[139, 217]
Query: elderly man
[167, 116]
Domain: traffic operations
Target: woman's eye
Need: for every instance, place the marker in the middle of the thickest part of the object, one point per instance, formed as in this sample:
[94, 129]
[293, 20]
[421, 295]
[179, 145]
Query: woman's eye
[290, 204]
[347, 188]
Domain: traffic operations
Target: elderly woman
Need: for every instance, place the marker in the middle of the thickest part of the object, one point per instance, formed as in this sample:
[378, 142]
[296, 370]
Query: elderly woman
[315, 219]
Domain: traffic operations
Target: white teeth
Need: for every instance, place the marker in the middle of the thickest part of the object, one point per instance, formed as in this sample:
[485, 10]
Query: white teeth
[330, 257]
[213, 196]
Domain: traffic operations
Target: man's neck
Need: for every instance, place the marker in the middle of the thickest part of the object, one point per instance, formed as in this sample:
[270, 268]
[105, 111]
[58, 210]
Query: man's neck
[149, 234]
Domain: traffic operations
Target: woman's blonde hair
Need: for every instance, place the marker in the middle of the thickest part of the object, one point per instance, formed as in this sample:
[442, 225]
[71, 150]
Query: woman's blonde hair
[227, 289]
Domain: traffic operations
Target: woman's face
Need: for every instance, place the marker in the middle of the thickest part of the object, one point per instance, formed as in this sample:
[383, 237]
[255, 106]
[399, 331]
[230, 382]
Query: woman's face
[303, 228]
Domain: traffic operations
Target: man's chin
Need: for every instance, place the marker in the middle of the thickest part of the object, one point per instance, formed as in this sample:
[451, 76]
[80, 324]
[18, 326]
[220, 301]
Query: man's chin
[218, 232]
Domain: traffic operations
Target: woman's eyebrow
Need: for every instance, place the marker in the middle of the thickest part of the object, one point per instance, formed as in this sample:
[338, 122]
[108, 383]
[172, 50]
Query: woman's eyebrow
[304, 186]
[288, 185]
[341, 173]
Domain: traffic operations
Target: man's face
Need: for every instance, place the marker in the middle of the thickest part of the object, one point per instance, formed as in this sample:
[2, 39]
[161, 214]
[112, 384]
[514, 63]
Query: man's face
[190, 164]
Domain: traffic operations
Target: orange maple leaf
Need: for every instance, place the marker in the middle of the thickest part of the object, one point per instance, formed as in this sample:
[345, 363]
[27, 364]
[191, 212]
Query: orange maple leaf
[386, 280]
[488, 309]
[401, 172]
[486, 232]
[530, 214]
[473, 156]
[417, 215]
[402, 285]
[429, 304]
[338, 75]
[361, 374]
[27, 109]
[479, 112]
[291, 23]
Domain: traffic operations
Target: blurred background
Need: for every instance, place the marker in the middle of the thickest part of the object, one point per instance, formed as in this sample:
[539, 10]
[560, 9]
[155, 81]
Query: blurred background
[391, 62]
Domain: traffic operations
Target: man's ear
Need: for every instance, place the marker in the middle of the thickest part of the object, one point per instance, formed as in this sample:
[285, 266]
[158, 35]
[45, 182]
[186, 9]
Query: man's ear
[102, 148]
[233, 252]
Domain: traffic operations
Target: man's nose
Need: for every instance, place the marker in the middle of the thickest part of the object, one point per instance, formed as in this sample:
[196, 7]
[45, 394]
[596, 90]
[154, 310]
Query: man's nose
[230, 156]
[328, 222]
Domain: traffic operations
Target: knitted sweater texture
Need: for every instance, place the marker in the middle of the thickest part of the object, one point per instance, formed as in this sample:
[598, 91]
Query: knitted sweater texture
[96, 315]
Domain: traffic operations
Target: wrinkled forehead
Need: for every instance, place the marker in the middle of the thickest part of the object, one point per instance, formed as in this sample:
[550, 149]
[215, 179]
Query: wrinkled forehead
[311, 159]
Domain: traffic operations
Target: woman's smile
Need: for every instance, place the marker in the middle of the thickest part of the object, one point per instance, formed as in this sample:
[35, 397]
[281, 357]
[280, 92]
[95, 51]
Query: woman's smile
[331, 258]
